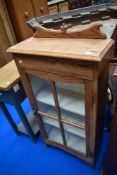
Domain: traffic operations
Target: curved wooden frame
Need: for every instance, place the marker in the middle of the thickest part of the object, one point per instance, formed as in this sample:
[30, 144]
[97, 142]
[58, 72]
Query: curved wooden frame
[91, 32]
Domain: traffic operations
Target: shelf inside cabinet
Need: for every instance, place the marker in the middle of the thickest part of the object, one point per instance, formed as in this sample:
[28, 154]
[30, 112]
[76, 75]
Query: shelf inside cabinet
[72, 101]
[65, 115]
[75, 142]
[53, 133]
[72, 117]
[68, 128]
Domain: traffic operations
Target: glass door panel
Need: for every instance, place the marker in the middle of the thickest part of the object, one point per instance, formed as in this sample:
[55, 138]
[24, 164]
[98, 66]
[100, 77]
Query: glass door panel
[72, 117]
[52, 129]
[71, 99]
[75, 138]
[43, 94]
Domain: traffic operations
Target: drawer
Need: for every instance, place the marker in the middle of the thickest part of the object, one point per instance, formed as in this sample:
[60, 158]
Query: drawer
[53, 9]
[69, 68]
[63, 6]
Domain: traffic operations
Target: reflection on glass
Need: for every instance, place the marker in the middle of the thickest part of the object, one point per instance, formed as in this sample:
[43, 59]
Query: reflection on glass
[52, 129]
[71, 99]
[43, 94]
[72, 117]
[75, 138]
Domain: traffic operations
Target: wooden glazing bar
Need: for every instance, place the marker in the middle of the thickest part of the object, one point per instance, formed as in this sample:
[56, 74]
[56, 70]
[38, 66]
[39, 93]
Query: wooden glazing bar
[73, 124]
[54, 92]
[48, 115]
[62, 120]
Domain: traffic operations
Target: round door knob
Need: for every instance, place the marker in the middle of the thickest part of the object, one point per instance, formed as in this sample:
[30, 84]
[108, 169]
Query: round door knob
[41, 9]
[26, 14]
[20, 61]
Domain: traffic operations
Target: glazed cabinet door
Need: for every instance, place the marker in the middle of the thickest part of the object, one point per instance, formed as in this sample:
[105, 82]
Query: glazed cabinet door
[63, 110]
[71, 100]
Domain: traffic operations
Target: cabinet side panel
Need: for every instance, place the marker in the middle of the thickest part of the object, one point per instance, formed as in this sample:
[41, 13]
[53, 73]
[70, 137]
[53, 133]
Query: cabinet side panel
[90, 120]
[101, 102]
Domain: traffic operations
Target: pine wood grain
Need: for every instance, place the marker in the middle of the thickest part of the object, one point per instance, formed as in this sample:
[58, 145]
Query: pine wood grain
[60, 66]
[91, 32]
[79, 49]
[71, 61]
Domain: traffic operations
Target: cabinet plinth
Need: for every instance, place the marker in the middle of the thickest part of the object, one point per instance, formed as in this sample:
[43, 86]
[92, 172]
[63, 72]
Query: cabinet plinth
[66, 83]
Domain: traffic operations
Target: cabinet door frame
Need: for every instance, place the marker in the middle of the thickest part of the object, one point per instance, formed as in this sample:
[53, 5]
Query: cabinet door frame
[88, 96]
[89, 107]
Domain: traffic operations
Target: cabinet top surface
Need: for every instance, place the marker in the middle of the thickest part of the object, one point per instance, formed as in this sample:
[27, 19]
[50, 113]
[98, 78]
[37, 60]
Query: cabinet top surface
[78, 49]
[8, 76]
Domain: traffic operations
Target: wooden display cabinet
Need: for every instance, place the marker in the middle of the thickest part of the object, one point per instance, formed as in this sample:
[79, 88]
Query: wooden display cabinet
[66, 82]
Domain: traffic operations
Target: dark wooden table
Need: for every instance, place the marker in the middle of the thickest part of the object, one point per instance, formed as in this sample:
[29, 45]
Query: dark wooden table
[12, 92]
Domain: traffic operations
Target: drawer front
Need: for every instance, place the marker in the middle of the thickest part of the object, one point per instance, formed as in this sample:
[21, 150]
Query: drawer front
[63, 7]
[58, 66]
[53, 9]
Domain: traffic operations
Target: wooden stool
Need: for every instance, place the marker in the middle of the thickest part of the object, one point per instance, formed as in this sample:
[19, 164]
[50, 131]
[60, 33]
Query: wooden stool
[12, 92]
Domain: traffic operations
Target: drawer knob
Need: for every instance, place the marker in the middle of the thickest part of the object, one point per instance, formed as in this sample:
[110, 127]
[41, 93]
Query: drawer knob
[41, 9]
[20, 61]
[26, 14]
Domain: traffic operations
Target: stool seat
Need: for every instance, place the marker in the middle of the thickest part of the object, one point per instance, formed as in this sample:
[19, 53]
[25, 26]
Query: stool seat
[9, 76]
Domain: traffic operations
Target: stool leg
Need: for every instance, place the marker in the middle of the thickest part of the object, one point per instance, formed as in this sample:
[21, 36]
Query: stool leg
[9, 118]
[24, 120]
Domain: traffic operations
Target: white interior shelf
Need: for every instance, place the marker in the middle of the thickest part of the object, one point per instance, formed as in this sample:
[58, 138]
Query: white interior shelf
[68, 128]
[75, 118]
[69, 116]
[75, 142]
[71, 98]
[68, 100]
[53, 133]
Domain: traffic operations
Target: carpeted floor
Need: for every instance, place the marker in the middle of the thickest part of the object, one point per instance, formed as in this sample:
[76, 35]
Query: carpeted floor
[20, 156]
